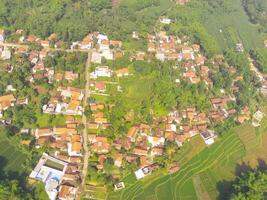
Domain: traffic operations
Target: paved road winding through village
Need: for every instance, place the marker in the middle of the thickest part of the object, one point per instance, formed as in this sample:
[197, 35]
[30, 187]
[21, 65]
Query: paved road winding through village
[84, 119]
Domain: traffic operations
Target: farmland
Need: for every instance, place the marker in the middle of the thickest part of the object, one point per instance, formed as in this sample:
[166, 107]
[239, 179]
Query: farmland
[206, 174]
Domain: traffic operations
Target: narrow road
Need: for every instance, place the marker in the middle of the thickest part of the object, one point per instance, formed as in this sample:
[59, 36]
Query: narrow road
[47, 48]
[84, 119]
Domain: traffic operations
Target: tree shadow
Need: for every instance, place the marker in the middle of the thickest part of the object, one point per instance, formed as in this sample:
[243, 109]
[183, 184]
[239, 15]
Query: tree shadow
[3, 163]
[225, 188]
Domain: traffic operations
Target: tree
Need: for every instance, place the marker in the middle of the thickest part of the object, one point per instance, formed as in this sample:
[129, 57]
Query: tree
[250, 186]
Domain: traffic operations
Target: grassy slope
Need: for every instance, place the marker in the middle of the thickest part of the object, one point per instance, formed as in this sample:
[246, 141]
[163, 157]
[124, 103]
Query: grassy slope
[11, 158]
[235, 26]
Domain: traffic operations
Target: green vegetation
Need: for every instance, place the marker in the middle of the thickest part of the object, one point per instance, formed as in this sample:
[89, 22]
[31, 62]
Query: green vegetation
[250, 186]
[52, 164]
[11, 156]
[72, 20]
[212, 170]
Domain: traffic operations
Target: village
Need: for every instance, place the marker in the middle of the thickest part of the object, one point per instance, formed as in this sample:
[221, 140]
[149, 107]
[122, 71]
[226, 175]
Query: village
[60, 169]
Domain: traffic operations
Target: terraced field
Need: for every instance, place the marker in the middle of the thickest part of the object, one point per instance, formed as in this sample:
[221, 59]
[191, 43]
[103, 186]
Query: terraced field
[214, 164]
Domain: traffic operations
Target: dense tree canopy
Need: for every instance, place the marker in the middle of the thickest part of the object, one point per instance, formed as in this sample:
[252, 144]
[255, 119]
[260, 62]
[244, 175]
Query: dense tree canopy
[250, 186]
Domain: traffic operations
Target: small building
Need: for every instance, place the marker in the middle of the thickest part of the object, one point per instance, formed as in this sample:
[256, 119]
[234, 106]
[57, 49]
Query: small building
[119, 186]
[2, 35]
[208, 137]
[165, 20]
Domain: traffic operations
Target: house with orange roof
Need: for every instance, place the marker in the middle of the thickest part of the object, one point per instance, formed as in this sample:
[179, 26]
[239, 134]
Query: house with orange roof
[194, 80]
[74, 148]
[44, 43]
[156, 151]
[170, 136]
[67, 192]
[115, 43]
[101, 145]
[71, 76]
[104, 45]
[87, 42]
[100, 86]
[7, 101]
[43, 132]
[156, 141]
[118, 160]
[196, 48]
[140, 151]
[122, 72]
[200, 60]
[93, 125]
[132, 133]
[151, 47]
[38, 67]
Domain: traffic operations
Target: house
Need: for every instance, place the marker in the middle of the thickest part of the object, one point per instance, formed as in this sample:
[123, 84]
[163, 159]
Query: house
[174, 167]
[100, 86]
[71, 76]
[132, 133]
[151, 47]
[196, 48]
[244, 115]
[44, 43]
[140, 55]
[140, 151]
[119, 186]
[257, 118]
[102, 71]
[115, 43]
[182, 2]
[208, 137]
[100, 145]
[160, 56]
[104, 45]
[141, 173]
[156, 141]
[38, 67]
[87, 42]
[122, 72]
[118, 160]
[67, 192]
[74, 148]
[52, 37]
[165, 20]
[59, 77]
[5, 54]
[96, 57]
[135, 35]
[2, 35]
[200, 60]
[156, 151]
[6, 101]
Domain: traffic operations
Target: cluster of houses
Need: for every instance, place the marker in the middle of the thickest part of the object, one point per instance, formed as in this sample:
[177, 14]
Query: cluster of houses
[53, 173]
[67, 101]
[9, 100]
[103, 47]
[66, 143]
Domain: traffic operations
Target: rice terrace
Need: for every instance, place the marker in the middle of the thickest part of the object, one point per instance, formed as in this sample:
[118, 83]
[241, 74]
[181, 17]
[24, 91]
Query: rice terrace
[203, 176]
